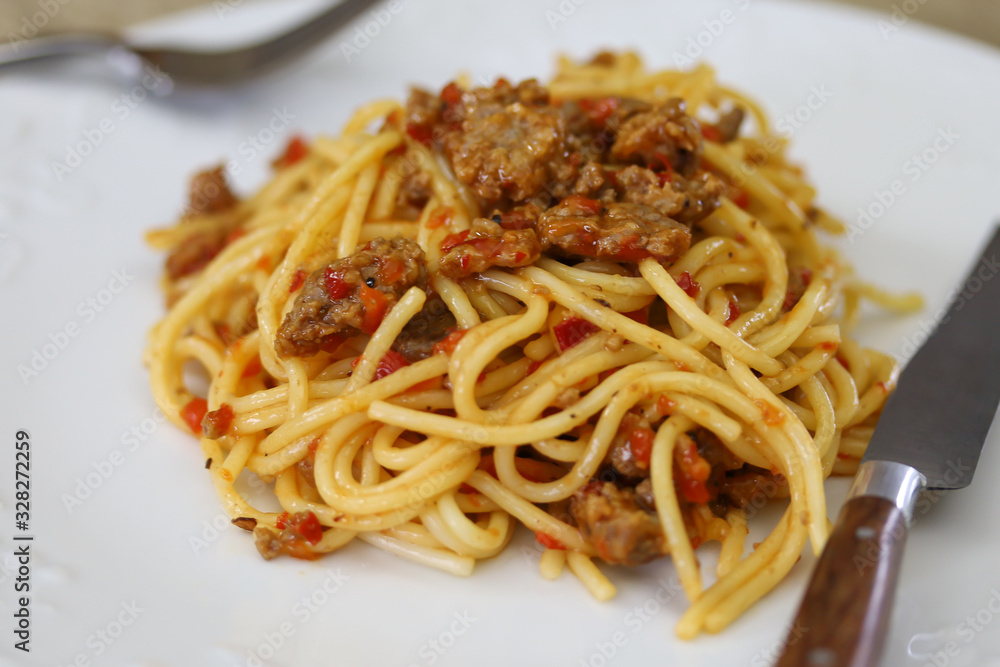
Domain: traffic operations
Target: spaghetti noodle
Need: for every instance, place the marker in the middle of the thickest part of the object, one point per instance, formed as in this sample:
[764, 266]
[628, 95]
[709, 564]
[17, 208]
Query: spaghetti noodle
[599, 309]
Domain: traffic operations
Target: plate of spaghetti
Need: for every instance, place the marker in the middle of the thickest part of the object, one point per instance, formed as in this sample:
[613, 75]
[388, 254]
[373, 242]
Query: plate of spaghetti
[458, 365]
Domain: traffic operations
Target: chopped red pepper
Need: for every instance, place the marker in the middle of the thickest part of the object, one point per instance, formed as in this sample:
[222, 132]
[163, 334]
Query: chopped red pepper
[297, 531]
[742, 199]
[448, 344]
[732, 312]
[420, 133]
[294, 151]
[252, 368]
[640, 441]
[392, 270]
[548, 541]
[599, 110]
[374, 302]
[193, 412]
[641, 316]
[297, 280]
[665, 406]
[389, 364]
[571, 331]
[689, 284]
[711, 132]
[440, 216]
[216, 423]
[585, 204]
[452, 240]
[667, 174]
[336, 286]
[451, 94]
[693, 472]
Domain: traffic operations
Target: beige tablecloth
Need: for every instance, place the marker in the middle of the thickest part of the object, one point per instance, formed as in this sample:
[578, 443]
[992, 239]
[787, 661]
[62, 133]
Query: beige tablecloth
[25, 18]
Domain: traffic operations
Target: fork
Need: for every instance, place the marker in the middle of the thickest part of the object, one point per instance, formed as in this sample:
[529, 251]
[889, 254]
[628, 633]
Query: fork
[188, 66]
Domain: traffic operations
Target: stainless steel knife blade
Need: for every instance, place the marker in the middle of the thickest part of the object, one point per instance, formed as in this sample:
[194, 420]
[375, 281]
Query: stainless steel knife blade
[937, 419]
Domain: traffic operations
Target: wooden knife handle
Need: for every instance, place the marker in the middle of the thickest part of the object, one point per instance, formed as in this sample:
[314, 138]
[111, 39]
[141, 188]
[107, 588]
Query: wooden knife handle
[844, 615]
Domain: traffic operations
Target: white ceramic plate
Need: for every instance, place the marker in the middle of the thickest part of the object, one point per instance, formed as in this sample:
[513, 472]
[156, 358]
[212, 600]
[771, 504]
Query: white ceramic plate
[133, 562]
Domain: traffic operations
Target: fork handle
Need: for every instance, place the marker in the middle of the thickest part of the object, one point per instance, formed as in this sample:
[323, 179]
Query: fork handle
[52, 46]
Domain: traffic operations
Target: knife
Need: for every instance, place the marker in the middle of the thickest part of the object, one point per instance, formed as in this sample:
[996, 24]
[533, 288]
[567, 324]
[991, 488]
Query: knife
[929, 436]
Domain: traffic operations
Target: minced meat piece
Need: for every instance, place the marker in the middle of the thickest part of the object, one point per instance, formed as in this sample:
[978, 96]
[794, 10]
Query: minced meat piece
[662, 133]
[488, 244]
[209, 192]
[414, 193]
[432, 324]
[729, 124]
[509, 144]
[638, 185]
[194, 253]
[590, 181]
[701, 196]
[620, 454]
[611, 521]
[332, 301]
[623, 231]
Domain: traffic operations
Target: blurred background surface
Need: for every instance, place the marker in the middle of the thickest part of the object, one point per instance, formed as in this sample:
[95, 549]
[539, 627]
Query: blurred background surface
[979, 19]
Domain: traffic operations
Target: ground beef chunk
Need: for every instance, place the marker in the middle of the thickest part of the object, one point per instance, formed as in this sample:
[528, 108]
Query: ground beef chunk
[663, 133]
[519, 217]
[729, 124]
[638, 185]
[332, 301]
[433, 322]
[488, 244]
[423, 112]
[414, 193]
[590, 181]
[741, 487]
[613, 523]
[510, 144]
[209, 192]
[195, 252]
[623, 231]
[621, 456]
[644, 495]
[701, 196]
[593, 124]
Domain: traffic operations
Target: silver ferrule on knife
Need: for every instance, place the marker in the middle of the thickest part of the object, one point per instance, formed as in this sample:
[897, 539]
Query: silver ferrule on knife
[897, 482]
